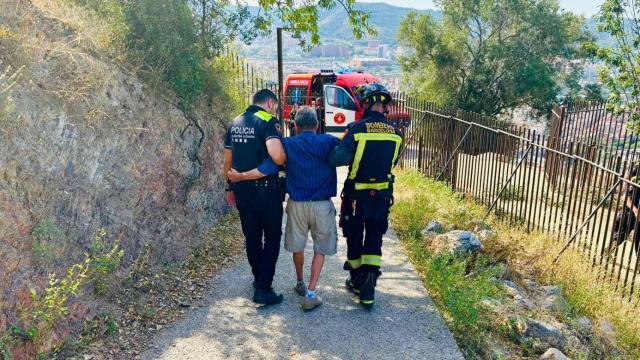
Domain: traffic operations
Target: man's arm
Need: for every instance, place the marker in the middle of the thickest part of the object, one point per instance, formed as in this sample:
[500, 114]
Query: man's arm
[274, 144]
[276, 150]
[228, 159]
[343, 153]
[228, 154]
[268, 167]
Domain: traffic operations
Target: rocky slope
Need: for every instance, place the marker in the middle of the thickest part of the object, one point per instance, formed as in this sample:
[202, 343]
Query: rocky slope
[87, 145]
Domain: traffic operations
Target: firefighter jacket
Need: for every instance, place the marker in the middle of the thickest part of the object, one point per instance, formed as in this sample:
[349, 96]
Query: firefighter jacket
[370, 147]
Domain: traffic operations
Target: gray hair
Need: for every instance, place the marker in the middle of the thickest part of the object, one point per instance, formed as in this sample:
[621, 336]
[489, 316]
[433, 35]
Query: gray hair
[306, 118]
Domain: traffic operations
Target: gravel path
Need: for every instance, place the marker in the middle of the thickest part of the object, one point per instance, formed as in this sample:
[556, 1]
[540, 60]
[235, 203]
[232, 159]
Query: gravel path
[404, 323]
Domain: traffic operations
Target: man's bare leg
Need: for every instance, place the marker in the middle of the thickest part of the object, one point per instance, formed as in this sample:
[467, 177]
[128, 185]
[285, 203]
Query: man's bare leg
[316, 268]
[298, 262]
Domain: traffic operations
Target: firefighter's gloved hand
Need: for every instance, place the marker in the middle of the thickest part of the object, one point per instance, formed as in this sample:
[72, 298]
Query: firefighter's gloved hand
[231, 199]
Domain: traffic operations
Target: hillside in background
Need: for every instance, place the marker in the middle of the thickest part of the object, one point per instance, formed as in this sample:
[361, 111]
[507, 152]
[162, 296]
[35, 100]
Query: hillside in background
[333, 24]
[386, 19]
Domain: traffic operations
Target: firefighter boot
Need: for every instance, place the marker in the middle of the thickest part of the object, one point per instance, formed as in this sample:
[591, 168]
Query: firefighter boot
[368, 288]
[354, 281]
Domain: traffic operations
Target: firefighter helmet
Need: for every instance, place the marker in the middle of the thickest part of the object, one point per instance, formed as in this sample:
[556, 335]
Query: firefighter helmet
[369, 94]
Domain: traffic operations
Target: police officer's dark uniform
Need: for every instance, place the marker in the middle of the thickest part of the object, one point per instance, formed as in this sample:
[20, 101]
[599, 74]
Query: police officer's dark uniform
[258, 201]
[372, 146]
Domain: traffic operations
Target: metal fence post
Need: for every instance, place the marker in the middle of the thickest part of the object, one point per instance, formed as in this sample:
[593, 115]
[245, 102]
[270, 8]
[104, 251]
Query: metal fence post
[513, 173]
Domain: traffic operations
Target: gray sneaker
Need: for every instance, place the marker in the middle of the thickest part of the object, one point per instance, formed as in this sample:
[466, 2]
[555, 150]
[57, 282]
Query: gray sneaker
[309, 304]
[301, 288]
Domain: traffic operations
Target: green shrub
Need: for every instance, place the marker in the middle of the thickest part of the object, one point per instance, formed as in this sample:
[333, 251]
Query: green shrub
[51, 303]
[102, 262]
[164, 34]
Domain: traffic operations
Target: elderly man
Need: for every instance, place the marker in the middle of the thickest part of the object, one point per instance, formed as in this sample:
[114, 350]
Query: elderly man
[311, 183]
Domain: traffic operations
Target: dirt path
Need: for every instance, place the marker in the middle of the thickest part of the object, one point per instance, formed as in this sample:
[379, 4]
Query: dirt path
[405, 323]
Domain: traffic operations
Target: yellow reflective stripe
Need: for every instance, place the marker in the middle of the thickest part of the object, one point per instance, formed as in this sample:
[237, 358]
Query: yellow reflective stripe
[372, 186]
[375, 260]
[378, 137]
[367, 302]
[395, 154]
[265, 116]
[357, 158]
[355, 263]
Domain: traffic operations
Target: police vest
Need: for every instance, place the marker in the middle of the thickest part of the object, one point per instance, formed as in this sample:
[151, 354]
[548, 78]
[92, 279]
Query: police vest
[247, 136]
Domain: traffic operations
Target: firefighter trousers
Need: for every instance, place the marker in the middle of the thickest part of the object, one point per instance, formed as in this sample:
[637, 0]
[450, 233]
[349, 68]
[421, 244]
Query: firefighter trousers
[364, 221]
[260, 211]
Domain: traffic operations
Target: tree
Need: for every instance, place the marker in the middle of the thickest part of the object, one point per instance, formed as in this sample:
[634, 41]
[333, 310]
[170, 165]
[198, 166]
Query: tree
[573, 88]
[620, 71]
[488, 56]
[221, 20]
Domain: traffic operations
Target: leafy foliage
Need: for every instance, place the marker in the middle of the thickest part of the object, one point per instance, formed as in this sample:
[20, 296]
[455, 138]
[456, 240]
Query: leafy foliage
[488, 56]
[621, 63]
[51, 304]
[575, 90]
[179, 39]
[164, 33]
[301, 17]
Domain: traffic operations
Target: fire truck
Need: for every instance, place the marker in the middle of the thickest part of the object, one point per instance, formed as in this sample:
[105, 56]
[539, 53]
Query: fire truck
[333, 94]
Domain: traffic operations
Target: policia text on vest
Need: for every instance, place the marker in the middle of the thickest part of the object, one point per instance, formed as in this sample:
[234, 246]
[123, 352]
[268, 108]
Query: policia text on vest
[251, 138]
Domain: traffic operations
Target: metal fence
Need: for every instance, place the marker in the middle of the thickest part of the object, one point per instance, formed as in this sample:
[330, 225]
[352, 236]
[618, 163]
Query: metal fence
[249, 78]
[564, 183]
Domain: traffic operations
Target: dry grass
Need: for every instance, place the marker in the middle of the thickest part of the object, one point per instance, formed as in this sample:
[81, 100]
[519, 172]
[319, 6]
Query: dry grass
[587, 291]
[65, 49]
[91, 31]
[528, 255]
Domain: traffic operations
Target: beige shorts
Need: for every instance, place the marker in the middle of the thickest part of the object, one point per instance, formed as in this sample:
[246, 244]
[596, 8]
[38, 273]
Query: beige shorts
[317, 217]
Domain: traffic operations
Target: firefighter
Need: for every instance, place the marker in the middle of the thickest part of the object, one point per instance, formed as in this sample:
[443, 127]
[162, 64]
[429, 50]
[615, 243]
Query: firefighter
[370, 148]
[251, 138]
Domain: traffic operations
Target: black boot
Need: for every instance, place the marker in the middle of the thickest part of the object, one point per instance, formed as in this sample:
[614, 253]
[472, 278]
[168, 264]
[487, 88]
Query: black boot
[354, 281]
[368, 288]
[267, 297]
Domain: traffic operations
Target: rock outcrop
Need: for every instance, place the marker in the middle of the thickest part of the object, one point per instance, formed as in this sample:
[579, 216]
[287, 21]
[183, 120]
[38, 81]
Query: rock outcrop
[457, 241]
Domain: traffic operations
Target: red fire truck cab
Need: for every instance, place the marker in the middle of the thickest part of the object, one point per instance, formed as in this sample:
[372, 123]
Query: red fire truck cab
[333, 94]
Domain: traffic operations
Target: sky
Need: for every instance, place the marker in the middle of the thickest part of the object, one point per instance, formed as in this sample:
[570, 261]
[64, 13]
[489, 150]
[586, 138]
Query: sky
[583, 7]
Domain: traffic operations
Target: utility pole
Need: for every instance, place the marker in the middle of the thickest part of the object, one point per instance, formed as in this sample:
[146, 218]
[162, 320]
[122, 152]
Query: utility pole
[280, 77]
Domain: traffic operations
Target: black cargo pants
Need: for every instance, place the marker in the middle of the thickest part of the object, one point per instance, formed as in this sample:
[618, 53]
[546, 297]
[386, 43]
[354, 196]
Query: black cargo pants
[260, 209]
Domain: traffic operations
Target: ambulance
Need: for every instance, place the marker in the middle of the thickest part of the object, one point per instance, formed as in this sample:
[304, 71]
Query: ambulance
[333, 94]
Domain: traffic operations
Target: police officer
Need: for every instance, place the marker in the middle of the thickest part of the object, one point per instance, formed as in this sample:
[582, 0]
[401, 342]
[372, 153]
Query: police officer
[251, 138]
[370, 148]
